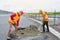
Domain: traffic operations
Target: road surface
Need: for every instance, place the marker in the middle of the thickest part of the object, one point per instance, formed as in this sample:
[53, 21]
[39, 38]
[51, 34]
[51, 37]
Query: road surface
[24, 22]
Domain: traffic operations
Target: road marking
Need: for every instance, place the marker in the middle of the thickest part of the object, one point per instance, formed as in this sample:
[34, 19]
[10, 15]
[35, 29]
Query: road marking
[53, 31]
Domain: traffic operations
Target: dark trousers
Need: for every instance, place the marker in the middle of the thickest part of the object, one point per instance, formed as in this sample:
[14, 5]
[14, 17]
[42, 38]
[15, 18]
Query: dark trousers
[45, 23]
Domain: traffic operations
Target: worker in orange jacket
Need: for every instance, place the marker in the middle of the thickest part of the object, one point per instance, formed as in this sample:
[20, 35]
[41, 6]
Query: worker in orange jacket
[14, 21]
[44, 20]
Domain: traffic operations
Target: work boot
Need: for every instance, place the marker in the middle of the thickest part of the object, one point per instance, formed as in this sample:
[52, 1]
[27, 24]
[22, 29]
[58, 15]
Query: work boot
[48, 31]
[8, 38]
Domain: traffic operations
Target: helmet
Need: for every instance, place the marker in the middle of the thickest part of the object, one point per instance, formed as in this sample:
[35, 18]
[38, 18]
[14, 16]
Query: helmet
[40, 10]
[21, 12]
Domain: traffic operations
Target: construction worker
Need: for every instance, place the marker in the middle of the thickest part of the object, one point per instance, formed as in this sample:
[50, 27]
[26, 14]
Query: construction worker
[44, 20]
[14, 21]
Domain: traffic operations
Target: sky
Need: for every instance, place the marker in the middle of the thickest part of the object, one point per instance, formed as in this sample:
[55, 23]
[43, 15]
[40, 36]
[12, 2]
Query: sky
[30, 5]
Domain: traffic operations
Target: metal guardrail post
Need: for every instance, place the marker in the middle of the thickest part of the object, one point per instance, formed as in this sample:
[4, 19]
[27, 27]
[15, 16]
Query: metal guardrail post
[54, 17]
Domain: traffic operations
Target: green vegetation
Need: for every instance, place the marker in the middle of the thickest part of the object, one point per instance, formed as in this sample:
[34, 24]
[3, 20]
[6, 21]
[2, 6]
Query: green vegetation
[53, 13]
[49, 13]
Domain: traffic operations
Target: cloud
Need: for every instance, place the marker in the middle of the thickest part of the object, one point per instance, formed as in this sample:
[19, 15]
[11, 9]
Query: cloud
[29, 5]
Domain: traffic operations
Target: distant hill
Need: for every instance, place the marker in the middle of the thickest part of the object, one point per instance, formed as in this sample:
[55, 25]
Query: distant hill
[4, 12]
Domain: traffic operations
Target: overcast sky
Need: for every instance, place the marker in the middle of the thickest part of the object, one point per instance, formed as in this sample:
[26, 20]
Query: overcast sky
[29, 5]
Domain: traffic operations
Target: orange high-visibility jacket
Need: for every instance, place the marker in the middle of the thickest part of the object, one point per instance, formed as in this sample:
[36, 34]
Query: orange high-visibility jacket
[16, 17]
[44, 16]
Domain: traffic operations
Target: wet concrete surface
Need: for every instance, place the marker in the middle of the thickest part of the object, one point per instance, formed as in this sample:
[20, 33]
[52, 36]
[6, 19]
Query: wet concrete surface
[24, 22]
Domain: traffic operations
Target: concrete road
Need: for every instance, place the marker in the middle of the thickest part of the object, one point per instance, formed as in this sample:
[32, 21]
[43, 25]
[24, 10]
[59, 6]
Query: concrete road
[24, 22]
